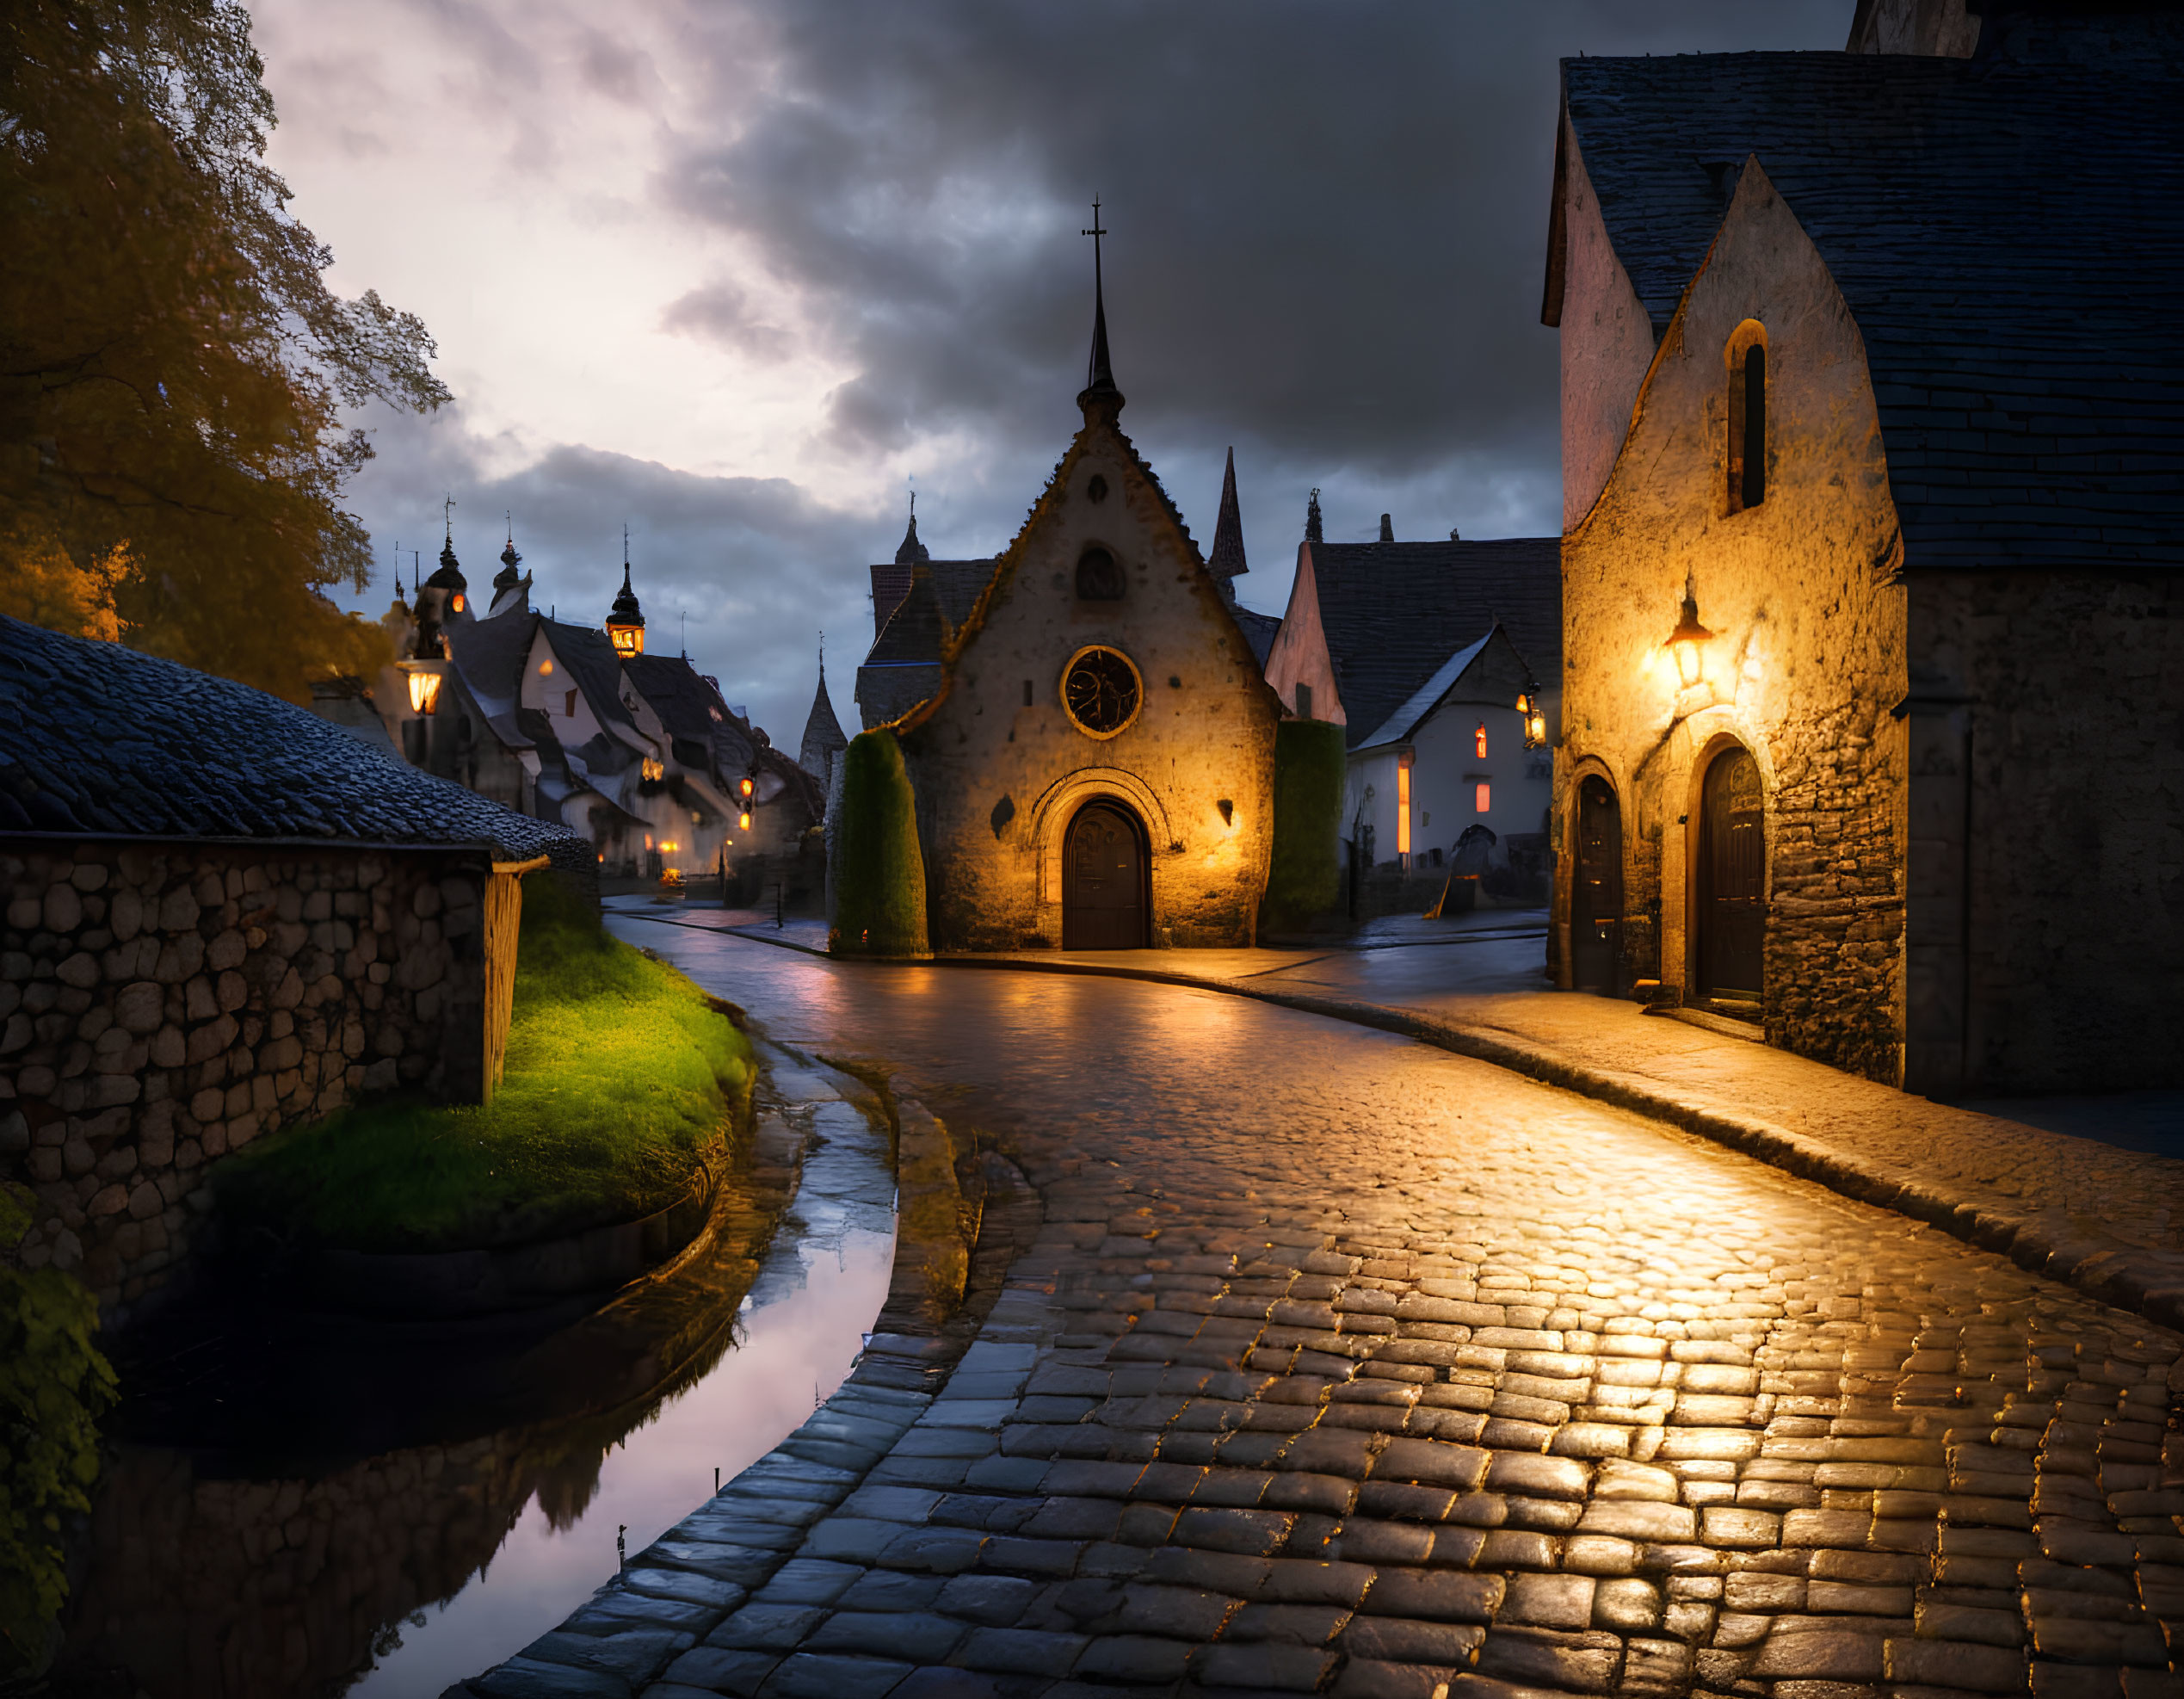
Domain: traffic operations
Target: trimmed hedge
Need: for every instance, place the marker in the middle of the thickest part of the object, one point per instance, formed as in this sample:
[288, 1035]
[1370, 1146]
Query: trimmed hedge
[1305, 874]
[879, 871]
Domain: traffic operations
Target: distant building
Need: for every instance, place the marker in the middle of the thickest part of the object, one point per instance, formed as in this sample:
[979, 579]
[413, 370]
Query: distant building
[1421, 652]
[823, 738]
[637, 752]
[1873, 481]
[1092, 757]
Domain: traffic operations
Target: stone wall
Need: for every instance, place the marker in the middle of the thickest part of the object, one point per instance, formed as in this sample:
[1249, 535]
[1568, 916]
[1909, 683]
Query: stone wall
[2047, 922]
[165, 1003]
[1808, 656]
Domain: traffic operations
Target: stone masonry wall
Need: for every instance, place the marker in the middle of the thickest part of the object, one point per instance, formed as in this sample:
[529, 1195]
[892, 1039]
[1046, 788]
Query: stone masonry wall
[165, 1003]
[1808, 655]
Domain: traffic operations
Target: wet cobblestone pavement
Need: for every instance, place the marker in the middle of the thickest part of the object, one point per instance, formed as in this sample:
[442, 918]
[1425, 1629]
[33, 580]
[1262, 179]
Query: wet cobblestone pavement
[1343, 1364]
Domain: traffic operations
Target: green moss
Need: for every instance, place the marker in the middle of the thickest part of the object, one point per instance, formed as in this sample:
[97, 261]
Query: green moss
[619, 1076]
[1304, 876]
[879, 870]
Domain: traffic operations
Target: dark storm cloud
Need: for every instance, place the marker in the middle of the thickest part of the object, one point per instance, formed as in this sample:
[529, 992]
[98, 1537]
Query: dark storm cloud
[743, 570]
[1329, 222]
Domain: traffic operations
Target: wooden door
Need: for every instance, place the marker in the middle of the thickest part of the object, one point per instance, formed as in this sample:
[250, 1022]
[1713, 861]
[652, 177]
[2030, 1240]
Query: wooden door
[1103, 880]
[1596, 898]
[1732, 878]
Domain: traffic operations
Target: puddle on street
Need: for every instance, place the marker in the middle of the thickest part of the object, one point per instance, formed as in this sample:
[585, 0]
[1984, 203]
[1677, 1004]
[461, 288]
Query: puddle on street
[240, 1570]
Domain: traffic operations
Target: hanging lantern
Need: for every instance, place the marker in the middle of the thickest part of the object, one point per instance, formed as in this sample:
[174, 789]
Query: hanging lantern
[1534, 715]
[424, 686]
[1688, 640]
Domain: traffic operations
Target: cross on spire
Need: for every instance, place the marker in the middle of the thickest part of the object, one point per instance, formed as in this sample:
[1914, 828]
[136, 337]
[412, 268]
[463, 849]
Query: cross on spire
[1099, 377]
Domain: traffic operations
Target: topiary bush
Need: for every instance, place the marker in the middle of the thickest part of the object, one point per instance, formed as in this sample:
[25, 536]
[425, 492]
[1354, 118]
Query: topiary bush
[1304, 874]
[53, 1383]
[879, 870]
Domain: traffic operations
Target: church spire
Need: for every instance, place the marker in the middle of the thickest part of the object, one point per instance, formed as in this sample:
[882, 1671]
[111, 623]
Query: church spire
[1099, 397]
[1226, 560]
[912, 552]
[626, 619]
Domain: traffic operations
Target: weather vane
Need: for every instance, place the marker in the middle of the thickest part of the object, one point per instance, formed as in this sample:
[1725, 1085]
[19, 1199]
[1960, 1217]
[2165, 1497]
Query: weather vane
[448, 513]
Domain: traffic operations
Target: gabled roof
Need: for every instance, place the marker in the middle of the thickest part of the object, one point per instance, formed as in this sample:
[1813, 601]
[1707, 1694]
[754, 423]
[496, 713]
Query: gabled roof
[592, 667]
[677, 693]
[1415, 708]
[2007, 230]
[490, 655]
[94, 737]
[1393, 613]
[958, 582]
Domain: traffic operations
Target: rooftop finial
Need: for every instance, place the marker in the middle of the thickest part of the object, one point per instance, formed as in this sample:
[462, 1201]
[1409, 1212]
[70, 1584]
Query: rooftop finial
[1100, 391]
[1311, 520]
[448, 513]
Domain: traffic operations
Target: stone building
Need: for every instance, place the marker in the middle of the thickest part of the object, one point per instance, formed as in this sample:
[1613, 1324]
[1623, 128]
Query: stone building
[223, 915]
[918, 604]
[1873, 470]
[823, 738]
[1421, 652]
[1093, 766]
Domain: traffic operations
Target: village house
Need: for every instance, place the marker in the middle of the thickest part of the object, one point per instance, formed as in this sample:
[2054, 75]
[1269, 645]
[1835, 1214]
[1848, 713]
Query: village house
[637, 753]
[1093, 761]
[1441, 660]
[224, 916]
[1872, 430]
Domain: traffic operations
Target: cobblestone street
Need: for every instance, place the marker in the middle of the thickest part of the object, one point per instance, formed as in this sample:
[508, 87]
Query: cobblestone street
[1343, 1364]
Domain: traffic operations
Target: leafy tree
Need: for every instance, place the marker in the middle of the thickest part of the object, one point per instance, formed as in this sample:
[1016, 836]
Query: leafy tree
[53, 1384]
[173, 369]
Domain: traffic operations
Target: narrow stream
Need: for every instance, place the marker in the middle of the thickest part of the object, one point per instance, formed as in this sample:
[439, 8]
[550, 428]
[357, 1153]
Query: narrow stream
[797, 1337]
[285, 1520]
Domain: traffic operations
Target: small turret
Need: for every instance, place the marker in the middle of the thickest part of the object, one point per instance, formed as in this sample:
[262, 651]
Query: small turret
[626, 619]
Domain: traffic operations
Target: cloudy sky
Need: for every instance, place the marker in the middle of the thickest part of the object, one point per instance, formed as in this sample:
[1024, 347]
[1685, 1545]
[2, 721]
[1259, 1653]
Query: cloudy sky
[740, 272]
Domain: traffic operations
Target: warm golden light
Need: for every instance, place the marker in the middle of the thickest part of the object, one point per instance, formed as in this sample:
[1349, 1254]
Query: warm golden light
[455, 603]
[1484, 798]
[1688, 640]
[424, 690]
[628, 640]
[546, 667]
[1478, 738]
[652, 768]
[1403, 804]
[743, 822]
[745, 788]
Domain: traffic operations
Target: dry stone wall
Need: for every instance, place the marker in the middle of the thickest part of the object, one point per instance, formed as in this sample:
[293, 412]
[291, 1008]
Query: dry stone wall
[164, 1003]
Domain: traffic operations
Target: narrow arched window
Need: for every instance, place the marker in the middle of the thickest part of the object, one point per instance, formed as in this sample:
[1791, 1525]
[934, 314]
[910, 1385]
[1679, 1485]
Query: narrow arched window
[1747, 456]
[1098, 577]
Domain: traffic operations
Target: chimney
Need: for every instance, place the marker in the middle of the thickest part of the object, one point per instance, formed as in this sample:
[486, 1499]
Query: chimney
[1387, 529]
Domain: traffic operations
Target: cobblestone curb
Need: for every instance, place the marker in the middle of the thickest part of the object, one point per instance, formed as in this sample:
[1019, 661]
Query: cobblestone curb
[946, 1311]
[2050, 1241]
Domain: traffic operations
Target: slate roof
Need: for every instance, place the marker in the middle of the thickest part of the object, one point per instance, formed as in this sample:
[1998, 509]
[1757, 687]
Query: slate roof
[1259, 630]
[589, 657]
[1392, 613]
[96, 737]
[958, 582]
[822, 734]
[1418, 706]
[2009, 231]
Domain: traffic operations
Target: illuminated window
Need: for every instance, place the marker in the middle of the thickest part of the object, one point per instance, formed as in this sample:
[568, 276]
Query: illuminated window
[568, 708]
[1403, 804]
[1484, 800]
[1747, 455]
[1479, 740]
[545, 668]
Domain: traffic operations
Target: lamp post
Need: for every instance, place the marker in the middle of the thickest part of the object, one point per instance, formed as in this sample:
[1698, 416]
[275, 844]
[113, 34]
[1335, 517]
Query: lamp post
[1688, 640]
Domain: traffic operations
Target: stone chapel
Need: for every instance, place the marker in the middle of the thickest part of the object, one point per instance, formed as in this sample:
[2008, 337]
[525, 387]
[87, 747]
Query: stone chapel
[1094, 769]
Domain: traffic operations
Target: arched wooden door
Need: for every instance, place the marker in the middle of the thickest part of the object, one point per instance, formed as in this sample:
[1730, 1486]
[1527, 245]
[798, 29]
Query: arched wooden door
[1732, 878]
[1104, 904]
[1596, 896]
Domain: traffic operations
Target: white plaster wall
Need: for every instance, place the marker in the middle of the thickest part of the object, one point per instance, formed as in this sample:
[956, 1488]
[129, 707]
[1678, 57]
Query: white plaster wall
[1607, 344]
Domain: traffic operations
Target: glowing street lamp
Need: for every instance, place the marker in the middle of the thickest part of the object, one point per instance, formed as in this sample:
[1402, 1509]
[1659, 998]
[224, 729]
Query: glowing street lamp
[424, 686]
[1688, 640]
[743, 789]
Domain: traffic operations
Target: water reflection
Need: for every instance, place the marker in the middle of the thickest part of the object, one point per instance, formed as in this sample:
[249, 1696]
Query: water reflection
[246, 1545]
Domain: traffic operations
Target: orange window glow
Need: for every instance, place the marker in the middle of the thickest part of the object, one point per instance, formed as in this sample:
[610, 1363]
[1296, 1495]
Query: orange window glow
[1403, 804]
[1478, 741]
[1485, 798]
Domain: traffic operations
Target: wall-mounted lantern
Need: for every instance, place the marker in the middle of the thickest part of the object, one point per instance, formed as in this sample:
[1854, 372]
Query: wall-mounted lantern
[1534, 715]
[744, 788]
[652, 769]
[1688, 640]
[424, 686]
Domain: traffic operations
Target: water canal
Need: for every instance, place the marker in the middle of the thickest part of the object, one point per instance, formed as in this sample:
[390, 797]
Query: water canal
[296, 1506]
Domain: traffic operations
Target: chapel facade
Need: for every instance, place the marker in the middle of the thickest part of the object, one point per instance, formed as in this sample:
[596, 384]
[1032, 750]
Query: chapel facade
[1095, 767]
[1872, 432]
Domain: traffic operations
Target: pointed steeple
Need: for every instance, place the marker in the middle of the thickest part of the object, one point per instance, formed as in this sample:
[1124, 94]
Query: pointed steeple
[1099, 399]
[1225, 562]
[823, 738]
[911, 552]
[1311, 520]
[506, 578]
[626, 619]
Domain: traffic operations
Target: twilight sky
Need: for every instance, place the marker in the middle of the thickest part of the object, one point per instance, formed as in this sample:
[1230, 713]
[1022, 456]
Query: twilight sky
[738, 272]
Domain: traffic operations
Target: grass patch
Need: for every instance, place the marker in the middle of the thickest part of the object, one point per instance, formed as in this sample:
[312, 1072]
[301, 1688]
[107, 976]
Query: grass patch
[619, 1077]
